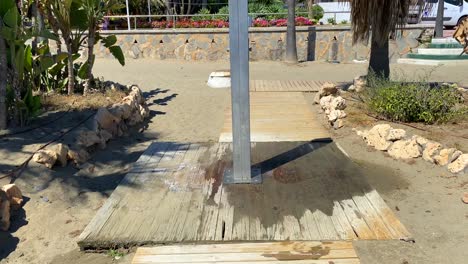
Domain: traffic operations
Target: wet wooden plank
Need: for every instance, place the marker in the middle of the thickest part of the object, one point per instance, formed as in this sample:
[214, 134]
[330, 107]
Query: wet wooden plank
[104, 213]
[278, 252]
[178, 197]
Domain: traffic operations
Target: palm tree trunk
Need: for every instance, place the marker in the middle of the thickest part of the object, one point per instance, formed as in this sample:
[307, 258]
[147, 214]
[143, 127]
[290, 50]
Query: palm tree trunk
[439, 29]
[71, 73]
[291, 48]
[3, 82]
[379, 62]
[89, 74]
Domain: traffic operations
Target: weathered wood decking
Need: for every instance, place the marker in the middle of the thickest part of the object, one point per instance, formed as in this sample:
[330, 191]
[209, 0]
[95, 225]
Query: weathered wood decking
[278, 117]
[286, 85]
[175, 194]
[287, 252]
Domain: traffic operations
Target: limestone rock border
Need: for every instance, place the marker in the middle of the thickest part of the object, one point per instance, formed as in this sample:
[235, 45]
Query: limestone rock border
[108, 123]
[398, 145]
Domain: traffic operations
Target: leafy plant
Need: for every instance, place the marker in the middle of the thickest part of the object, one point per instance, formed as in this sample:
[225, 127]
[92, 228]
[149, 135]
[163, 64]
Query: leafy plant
[224, 13]
[21, 74]
[413, 101]
[344, 22]
[331, 21]
[93, 12]
[115, 254]
[318, 12]
[203, 14]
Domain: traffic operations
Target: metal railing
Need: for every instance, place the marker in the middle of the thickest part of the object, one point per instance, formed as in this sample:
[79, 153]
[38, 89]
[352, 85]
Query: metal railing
[133, 19]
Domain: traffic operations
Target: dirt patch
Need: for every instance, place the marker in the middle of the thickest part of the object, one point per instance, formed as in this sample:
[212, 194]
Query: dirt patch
[60, 102]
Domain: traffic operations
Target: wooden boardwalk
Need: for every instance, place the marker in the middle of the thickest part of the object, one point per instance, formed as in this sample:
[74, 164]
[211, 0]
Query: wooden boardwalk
[174, 194]
[287, 252]
[286, 86]
[278, 117]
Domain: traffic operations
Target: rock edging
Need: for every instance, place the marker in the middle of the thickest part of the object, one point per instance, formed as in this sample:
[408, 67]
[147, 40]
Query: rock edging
[398, 145]
[332, 104]
[108, 123]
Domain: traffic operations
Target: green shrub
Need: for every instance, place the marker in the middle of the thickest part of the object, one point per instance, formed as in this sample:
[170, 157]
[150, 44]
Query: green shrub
[331, 21]
[318, 12]
[413, 102]
[224, 11]
[344, 22]
[275, 7]
[203, 14]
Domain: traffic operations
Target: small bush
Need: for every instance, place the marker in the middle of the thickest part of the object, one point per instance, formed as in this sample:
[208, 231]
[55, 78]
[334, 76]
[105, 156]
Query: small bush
[413, 102]
[344, 22]
[318, 12]
[331, 21]
[203, 14]
[224, 13]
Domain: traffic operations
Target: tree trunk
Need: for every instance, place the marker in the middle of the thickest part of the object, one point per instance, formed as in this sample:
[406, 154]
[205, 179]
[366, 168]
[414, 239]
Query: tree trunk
[379, 63]
[71, 73]
[90, 61]
[439, 29]
[3, 82]
[291, 48]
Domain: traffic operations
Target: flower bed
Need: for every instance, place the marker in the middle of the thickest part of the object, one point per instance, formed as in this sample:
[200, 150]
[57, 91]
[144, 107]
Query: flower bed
[218, 23]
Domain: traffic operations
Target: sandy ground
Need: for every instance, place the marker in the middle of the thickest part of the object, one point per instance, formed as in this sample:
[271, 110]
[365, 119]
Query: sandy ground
[62, 201]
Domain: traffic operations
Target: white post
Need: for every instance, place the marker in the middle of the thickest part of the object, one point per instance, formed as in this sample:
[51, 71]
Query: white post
[149, 10]
[128, 14]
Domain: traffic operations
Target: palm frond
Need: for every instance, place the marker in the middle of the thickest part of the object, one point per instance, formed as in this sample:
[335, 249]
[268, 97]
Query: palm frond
[382, 17]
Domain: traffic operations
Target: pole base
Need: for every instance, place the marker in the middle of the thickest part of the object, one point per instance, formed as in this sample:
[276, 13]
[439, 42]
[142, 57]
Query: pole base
[228, 177]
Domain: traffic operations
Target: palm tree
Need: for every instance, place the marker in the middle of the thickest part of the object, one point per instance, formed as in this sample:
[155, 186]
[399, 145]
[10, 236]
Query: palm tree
[291, 48]
[381, 17]
[439, 28]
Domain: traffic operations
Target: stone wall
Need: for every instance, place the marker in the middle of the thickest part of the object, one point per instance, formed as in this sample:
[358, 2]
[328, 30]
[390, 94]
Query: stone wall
[313, 43]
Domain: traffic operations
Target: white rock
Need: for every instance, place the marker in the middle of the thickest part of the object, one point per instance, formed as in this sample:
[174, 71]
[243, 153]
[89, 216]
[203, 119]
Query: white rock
[325, 90]
[405, 149]
[336, 114]
[325, 102]
[62, 152]
[377, 137]
[78, 156]
[144, 111]
[104, 120]
[88, 139]
[46, 157]
[4, 211]
[432, 149]
[421, 141]
[360, 83]
[136, 92]
[352, 88]
[363, 133]
[396, 134]
[14, 195]
[460, 165]
[338, 124]
[338, 103]
[446, 156]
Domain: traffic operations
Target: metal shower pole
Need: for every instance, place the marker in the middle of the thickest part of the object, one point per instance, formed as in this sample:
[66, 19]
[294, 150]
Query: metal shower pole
[239, 54]
[128, 14]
